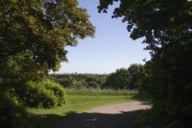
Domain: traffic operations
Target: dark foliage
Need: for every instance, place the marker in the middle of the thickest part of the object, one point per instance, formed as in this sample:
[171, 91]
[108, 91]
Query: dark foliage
[117, 80]
[78, 81]
[167, 28]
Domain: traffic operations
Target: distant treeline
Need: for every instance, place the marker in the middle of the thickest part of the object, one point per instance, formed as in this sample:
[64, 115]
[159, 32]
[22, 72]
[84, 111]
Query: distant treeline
[79, 81]
[120, 79]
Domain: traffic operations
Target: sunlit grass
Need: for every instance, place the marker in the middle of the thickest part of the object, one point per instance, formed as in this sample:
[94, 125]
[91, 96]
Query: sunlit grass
[78, 101]
[100, 92]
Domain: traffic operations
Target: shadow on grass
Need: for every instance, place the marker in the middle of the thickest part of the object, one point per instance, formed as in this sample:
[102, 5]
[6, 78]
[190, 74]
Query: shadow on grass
[91, 120]
[139, 96]
[100, 120]
[48, 120]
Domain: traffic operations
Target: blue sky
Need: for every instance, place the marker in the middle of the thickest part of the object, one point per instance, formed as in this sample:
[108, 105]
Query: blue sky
[112, 48]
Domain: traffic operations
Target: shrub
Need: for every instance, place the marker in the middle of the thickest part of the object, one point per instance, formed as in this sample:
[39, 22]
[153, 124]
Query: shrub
[12, 115]
[93, 84]
[44, 94]
[66, 82]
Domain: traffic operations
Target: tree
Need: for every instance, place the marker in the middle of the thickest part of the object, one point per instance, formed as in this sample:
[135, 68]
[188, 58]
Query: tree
[41, 29]
[135, 72]
[93, 84]
[117, 80]
[33, 36]
[143, 17]
[125, 78]
[167, 30]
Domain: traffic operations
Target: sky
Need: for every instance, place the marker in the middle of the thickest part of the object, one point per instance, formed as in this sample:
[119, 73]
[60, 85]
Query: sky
[112, 47]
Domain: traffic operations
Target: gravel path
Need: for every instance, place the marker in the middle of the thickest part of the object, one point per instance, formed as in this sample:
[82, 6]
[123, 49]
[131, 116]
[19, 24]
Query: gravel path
[108, 116]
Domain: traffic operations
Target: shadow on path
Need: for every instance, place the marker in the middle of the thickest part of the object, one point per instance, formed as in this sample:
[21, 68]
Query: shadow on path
[47, 120]
[100, 120]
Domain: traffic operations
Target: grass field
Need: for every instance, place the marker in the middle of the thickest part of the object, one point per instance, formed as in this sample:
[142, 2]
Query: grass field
[79, 100]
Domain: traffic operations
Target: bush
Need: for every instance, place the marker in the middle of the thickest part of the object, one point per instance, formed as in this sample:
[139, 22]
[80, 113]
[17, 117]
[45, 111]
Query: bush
[66, 82]
[44, 94]
[12, 115]
[169, 91]
[149, 119]
[142, 121]
[78, 81]
[94, 85]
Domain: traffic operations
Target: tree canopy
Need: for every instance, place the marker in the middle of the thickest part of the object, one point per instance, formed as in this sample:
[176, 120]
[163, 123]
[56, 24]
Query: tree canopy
[135, 72]
[167, 30]
[159, 21]
[41, 29]
[117, 80]
[125, 78]
[33, 37]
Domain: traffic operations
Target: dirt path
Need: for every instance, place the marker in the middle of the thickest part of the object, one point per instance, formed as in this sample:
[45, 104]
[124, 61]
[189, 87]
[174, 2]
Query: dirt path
[108, 116]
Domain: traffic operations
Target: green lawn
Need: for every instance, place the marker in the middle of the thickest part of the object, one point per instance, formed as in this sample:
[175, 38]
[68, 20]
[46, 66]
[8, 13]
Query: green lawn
[79, 100]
